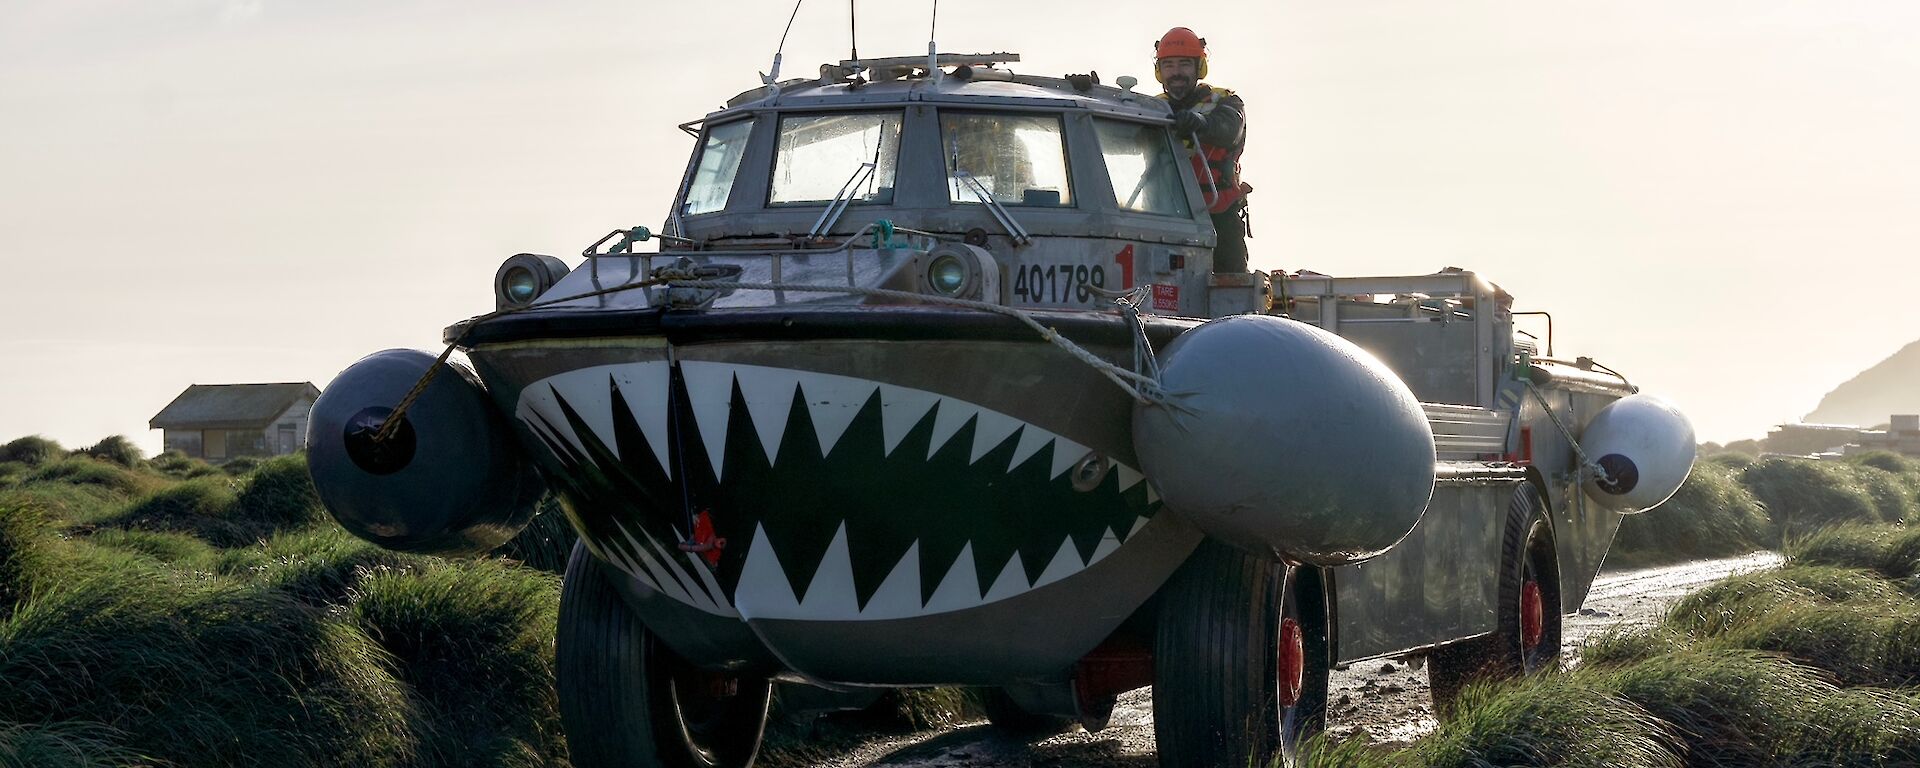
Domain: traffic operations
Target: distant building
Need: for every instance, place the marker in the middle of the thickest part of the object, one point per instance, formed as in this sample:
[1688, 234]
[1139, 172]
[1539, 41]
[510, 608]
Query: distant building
[1809, 439]
[1901, 436]
[222, 421]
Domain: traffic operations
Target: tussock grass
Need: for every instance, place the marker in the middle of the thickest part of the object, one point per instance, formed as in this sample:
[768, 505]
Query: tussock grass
[1321, 751]
[1847, 640]
[1805, 495]
[81, 470]
[168, 548]
[201, 507]
[26, 556]
[1731, 460]
[179, 465]
[13, 471]
[66, 504]
[65, 744]
[32, 450]
[1733, 708]
[1887, 461]
[1892, 551]
[1559, 720]
[279, 494]
[240, 465]
[321, 566]
[1622, 645]
[474, 640]
[1742, 599]
[119, 450]
[1846, 546]
[226, 512]
[1863, 726]
[1892, 494]
[1712, 515]
[202, 672]
[216, 620]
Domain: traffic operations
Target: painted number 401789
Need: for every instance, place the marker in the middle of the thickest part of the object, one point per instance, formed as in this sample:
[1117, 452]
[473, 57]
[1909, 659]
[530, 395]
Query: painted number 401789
[1059, 283]
[1072, 283]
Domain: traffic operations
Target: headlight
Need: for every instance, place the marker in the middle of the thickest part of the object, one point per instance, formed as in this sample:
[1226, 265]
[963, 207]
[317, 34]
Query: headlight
[523, 278]
[960, 271]
[947, 275]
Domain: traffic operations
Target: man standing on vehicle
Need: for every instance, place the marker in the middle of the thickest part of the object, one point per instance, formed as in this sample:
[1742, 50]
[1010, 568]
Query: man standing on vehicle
[1212, 123]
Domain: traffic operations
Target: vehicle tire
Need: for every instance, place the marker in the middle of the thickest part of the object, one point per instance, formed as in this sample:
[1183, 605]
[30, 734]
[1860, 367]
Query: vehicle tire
[1526, 638]
[1240, 660]
[1008, 716]
[627, 700]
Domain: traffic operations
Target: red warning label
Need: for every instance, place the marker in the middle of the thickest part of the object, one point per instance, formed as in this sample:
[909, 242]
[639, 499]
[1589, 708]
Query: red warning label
[1166, 297]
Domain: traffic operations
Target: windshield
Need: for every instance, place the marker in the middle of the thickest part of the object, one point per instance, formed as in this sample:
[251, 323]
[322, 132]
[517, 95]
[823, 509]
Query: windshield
[1019, 159]
[1141, 164]
[819, 154]
[719, 162]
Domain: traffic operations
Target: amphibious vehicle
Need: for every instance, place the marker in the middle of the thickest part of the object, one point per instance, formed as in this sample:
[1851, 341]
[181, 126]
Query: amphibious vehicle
[929, 381]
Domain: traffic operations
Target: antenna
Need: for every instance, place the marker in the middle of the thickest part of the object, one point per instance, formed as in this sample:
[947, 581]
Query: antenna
[853, 27]
[933, 50]
[772, 79]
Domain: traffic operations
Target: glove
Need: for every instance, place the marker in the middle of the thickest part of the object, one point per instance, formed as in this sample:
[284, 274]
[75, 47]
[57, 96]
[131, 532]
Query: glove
[1187, 121]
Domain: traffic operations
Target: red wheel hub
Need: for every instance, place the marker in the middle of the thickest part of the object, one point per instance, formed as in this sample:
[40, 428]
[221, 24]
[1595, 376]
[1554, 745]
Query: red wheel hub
[1292, 662]
[1532, 615]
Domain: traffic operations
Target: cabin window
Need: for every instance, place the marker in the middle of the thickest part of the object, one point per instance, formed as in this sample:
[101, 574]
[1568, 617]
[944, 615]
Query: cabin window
[719, 163]
[1140, 161]
[820, 155]
[1019, 159]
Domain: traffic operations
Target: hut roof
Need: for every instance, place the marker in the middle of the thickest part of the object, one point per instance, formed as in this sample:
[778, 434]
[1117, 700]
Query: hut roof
[231, 406]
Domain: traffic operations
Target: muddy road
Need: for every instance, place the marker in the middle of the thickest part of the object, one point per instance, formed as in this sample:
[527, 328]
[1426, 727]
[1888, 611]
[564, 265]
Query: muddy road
[1389, 700]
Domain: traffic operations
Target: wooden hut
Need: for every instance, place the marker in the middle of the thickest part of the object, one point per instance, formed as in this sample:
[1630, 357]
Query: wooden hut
[221, 421]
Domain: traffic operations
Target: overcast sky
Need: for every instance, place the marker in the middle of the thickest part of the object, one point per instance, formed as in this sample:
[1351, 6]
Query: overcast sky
[1716, 197]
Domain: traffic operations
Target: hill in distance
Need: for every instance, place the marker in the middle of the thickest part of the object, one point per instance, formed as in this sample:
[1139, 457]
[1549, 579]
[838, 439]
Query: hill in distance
[1889, 387]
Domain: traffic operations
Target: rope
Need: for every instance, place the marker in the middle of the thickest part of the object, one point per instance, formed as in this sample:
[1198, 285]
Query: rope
[1141, 384]
[391, 424]
[1586, 465]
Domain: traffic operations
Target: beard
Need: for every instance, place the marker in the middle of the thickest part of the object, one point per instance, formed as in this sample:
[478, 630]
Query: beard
[1179, 85]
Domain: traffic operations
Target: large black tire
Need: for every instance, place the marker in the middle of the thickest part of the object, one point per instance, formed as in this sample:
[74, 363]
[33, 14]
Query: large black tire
[1526, 638]
[1220, 697]
[626, 700]
[1008, 716]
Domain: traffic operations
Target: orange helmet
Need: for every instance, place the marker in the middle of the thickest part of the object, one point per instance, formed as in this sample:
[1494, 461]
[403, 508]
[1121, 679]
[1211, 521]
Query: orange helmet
[1180, 42]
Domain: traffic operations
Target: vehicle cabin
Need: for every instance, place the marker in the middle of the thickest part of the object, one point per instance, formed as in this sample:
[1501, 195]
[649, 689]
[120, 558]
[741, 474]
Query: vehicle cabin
[1071, 185]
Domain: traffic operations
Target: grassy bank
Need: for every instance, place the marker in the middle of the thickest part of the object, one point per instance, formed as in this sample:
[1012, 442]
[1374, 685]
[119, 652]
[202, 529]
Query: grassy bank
[1813, 664]
[1732, 504]
[169, 612]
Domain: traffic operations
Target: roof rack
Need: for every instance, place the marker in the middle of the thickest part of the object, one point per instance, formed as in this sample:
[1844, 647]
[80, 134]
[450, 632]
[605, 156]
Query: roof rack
[895, 67]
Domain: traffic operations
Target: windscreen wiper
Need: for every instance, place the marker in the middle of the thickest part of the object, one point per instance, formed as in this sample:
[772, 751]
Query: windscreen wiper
[1000, 212]
[838, 205]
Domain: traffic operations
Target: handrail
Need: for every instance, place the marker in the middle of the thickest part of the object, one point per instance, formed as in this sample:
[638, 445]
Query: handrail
[643, 262]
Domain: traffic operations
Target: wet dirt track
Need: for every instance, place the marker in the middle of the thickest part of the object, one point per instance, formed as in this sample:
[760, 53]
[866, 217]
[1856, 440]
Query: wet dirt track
[1387, 699]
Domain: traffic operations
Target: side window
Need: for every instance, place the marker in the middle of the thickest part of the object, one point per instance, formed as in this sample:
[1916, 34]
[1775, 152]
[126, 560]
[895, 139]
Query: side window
[818, 155]
[1140, 161]
[1018, 159]
[719, 163]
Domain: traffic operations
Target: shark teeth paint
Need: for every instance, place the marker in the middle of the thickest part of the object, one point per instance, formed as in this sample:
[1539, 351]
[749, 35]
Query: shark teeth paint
[839, 498]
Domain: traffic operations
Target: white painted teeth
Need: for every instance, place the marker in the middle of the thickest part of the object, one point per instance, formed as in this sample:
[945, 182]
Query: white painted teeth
[644, 558]
[832, 404]
[589, 391]
[900, 409]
